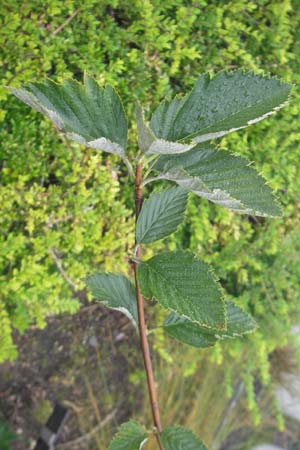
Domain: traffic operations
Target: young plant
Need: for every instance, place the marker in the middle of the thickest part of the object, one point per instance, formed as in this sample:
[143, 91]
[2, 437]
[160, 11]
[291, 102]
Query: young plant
[174, 146]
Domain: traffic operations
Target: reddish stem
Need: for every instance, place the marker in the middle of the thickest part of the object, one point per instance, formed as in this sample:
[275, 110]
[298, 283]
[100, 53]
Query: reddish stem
[141, 314]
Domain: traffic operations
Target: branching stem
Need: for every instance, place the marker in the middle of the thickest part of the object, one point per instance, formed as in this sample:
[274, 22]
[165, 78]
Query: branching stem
[141, 314]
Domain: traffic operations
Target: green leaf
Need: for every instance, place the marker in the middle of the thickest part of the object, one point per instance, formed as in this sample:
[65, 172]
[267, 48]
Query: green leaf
[219, 105]
[145, 135]
[86, 113]
[161, 214]
[239, 323]
[222, 178]
[179, 438]
[131, 436]
[189, 332]
[6, 436]
[184, 284]
[114, 291]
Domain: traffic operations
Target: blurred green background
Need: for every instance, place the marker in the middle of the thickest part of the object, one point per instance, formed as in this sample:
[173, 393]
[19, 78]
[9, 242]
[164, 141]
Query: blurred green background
[63, 204]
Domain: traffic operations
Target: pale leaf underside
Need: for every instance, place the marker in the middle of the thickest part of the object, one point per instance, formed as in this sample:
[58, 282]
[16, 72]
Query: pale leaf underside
[222, 178]
[179, 438]
[238, 324]
[86, 113]
[115, 292]
[163, 147]
[184, 284]
[161, 214]
[130, 436]
[219, 105]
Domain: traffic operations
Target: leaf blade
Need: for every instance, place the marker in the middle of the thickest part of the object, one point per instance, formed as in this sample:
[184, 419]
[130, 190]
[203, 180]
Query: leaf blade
[161, 214]
[179, 438]
[221, 177]
[219, 105]
[239, 323]
[184, 284]
[130, 436]
[114, 291]
[86, 113]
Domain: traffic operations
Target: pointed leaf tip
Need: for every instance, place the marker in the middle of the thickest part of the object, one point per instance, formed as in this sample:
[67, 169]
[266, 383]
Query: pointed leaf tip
[161, 214]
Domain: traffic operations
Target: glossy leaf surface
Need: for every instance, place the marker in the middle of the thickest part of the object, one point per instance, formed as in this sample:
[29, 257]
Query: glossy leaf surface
[219, 105]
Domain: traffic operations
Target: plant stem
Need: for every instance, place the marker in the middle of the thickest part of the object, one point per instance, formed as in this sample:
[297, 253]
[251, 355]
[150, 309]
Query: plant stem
[141, 314]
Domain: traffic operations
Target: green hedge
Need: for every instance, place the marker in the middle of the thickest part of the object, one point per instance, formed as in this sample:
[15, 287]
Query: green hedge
[65, 208]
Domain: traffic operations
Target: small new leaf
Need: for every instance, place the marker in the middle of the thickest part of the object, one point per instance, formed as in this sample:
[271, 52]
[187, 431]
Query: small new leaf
[131, 436]
[219, 105]
[86, 113]
[161, 214]
[222, 178]
[115, 292]
[184, 284]
[239, 323]
[145, 135]
[179, 438]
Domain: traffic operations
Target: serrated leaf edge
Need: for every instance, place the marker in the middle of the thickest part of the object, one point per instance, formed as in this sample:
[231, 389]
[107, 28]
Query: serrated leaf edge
[181, 428]
[219, 288]
[214, 135]
[107, 145]
[140, 241]
[244, 209]
[123, 425]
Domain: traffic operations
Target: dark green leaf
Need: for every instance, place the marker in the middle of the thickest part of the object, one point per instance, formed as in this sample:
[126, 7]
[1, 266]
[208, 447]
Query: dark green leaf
[86, 113]
[189, 332]
[222, 178]
[179, 438]
[218, 105]
[6, 437]
[161, 214]
[131, 436]
[184, 284]
[238, 324]
[114, 291]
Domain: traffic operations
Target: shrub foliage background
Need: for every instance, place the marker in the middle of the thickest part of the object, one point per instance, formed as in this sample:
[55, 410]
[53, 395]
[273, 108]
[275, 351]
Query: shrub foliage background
[64, 208]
